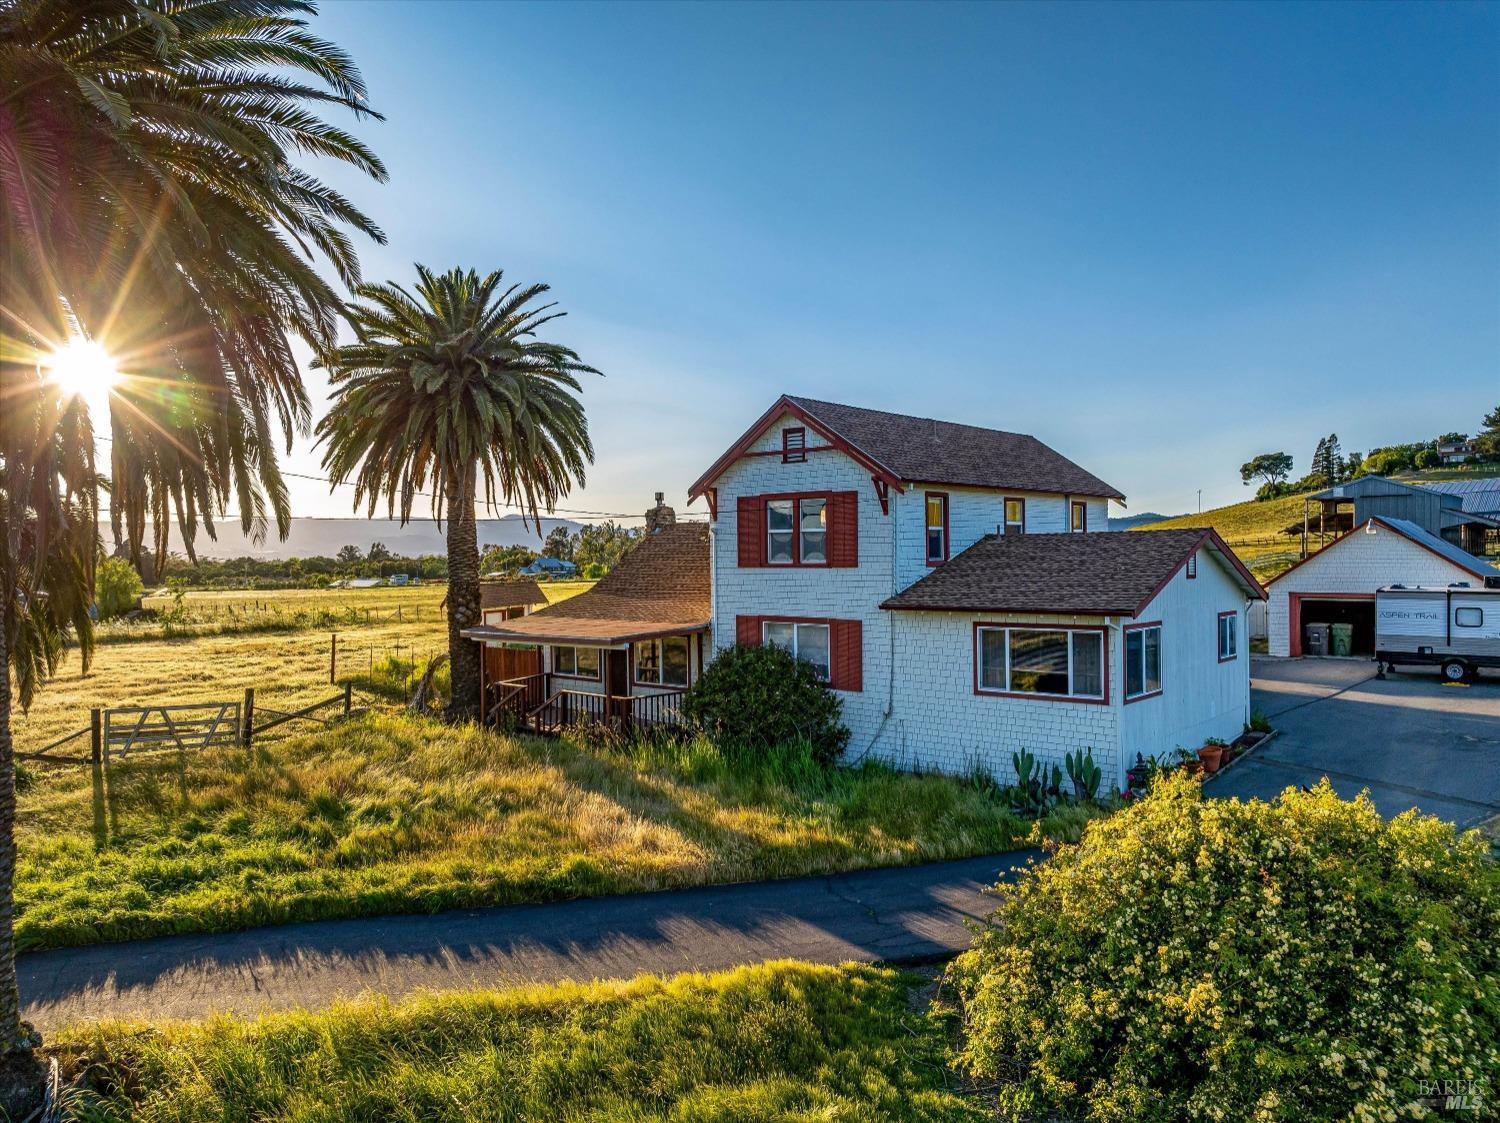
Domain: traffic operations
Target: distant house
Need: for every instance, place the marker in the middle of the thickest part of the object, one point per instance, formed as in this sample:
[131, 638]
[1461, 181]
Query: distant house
[501, 599]
[1455, 452]
[550, 567]
[955, 586]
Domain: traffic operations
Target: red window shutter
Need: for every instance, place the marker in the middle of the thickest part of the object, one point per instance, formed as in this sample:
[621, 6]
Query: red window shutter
[843, 529]
[845, 637]
[747, 631]
[751, 522]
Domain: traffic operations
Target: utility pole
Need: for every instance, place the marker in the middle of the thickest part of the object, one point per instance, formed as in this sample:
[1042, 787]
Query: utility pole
[1200, 501]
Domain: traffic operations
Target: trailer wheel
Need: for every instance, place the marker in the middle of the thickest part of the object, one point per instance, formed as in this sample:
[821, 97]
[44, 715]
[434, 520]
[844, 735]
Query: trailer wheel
[1455, 670]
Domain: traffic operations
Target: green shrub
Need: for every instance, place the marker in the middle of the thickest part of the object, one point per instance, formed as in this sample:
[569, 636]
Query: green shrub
[1212, 959]
[760, 697]
[117, 586]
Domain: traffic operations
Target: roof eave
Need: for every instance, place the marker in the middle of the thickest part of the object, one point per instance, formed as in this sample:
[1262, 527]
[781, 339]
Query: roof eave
[613, 639]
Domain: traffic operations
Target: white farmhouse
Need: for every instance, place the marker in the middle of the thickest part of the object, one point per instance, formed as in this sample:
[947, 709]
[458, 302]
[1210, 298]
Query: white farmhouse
[956, 587]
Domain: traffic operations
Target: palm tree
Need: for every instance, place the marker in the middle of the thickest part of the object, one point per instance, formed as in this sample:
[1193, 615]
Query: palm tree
[150, 198]
[449, 385]
[49, 535]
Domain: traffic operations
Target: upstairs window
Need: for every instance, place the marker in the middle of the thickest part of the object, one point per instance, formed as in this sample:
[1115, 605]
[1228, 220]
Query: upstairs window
[1142, 662]
[793, 446]
[797, 531]
[1229, 639]
[937, 528]
[1015, 516]
[1080, 523]
[1192, 566]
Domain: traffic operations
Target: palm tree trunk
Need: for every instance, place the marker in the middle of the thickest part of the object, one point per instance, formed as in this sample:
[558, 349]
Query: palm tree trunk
[11, 1034]
[463, 597]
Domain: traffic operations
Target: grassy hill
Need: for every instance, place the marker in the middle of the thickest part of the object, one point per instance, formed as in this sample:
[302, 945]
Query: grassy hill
[1253, 529]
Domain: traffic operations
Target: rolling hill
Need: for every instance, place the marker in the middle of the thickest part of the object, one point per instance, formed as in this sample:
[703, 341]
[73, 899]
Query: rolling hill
[1253, 529]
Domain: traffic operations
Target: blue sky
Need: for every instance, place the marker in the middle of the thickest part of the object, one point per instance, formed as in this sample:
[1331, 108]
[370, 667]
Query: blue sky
[1162, 238]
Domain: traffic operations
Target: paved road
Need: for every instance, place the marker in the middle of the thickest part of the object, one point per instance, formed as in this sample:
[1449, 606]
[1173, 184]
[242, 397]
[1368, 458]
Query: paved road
[1409, 739]
[898, 915]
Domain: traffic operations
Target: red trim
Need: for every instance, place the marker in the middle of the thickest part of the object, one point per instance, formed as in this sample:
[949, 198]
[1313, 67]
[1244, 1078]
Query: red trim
[1005, 522]
[794, 454]
[1294, 611]
[1235, 616]
[882, 493]
[1211, 536]
[713, 504]
[782, 405]
[576, 678]
[985, 692]
[840, 507]
[927, 498]
[844, 674]
[1125, 654]
[1074, 506]
[1395, 529]
[777, 452]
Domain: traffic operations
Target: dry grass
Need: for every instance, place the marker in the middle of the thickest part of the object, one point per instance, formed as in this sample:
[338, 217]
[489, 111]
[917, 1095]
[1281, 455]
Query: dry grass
[395, 814]
[287, 668]
[1252, 529]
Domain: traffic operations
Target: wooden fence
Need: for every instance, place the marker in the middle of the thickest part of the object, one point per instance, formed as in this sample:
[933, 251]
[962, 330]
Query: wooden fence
[124, 730]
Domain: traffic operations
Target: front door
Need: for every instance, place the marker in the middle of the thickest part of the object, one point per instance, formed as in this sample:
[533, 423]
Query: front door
[617, 682]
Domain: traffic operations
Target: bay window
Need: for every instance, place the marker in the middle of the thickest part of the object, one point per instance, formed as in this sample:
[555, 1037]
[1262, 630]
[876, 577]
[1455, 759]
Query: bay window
[1142, 661]
[1048, 663]
[808, 642]
[662, 662]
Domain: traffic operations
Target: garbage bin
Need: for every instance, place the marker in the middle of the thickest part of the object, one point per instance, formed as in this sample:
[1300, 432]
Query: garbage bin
[1342, 640]
[1316, 642]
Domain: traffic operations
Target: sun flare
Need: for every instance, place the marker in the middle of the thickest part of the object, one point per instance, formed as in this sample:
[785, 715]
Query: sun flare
[82, 367]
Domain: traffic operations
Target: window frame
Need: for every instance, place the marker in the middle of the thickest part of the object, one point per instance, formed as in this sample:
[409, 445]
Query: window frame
[928, 528]
[1161, 678]
[1078, 507]
[1457, 623]
[795, 623]
[597, 676]
[659, 642]
[1005, 523]
[1192, 566]
[1234, 635]
[796, 499]
[794, 453]
[982, 626]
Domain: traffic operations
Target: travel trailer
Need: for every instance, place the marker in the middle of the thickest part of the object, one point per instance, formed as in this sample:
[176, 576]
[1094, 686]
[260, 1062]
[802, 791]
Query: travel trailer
[1456, 627]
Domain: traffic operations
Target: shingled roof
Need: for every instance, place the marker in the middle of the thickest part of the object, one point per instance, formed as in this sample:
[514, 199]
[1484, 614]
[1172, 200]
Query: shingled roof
[907, 449]
[506, 593]
[1105, 573]
[661, 587]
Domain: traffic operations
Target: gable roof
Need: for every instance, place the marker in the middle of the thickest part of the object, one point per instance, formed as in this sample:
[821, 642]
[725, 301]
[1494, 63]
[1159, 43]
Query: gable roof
[1407, 529]
[660, 587]
[902, 449]
[504, 594]
[1102, 573]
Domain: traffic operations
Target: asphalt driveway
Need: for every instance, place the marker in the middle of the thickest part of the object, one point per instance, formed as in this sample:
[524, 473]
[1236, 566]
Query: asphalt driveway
[1409, 739]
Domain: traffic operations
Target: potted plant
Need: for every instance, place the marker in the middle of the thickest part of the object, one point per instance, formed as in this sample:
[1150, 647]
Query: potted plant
[1212, 755]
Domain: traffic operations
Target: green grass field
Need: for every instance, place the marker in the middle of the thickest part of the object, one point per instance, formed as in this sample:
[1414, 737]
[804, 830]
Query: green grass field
[1254, 531]
[781, 1041]
[393, 814]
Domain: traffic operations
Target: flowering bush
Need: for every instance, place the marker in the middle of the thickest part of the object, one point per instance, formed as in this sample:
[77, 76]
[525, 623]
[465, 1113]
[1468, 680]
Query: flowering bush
[1218, 960]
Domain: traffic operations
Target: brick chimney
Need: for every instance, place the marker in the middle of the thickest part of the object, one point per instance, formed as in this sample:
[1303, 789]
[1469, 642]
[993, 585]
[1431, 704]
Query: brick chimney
[659, 516]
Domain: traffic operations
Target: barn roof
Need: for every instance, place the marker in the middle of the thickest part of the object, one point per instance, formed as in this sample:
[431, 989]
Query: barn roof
[1105, 573]
[507, 593]
[1410, 530]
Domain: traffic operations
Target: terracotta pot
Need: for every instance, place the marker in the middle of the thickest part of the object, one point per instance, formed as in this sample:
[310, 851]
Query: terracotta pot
[1211, 756]
[1192, 767]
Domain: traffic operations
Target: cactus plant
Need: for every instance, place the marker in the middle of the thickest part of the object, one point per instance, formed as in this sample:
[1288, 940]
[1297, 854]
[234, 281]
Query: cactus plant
[1084, 774]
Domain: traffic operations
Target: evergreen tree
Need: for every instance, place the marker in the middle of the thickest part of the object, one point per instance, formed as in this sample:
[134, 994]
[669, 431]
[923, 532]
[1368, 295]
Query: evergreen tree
[1328, 461]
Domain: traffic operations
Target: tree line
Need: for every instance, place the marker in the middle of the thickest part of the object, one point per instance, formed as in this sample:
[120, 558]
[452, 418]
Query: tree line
[1329, 464]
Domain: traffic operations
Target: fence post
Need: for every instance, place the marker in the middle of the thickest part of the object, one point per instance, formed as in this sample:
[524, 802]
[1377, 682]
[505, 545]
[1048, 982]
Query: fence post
[247, 728]
[333, 656]
[96, 737]
[348, 697]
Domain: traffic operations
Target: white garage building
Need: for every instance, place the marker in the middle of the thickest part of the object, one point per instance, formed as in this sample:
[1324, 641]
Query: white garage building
[1338, 583]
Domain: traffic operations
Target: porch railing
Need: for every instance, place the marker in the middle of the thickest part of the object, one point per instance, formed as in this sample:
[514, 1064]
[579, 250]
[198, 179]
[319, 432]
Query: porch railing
[516, 697]
[570, 708]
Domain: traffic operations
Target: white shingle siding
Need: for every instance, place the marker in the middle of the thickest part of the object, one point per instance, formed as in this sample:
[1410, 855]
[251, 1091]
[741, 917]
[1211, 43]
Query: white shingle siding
[1357, 563]
[1201, 697]
[918, 708]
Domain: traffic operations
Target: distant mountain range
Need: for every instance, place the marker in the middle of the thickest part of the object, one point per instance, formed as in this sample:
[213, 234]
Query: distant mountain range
[323, 537]
[1145, 518]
